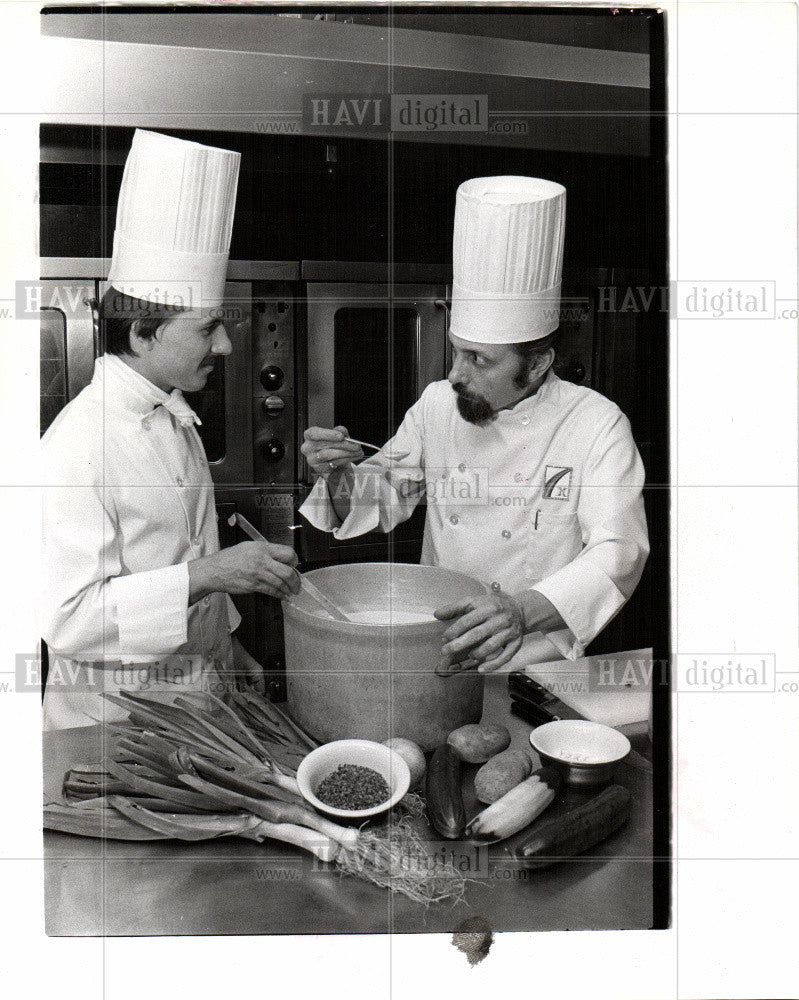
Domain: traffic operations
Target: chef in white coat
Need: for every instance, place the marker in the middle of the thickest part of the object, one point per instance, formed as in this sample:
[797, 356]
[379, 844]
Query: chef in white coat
[135, 588]
[533, 485]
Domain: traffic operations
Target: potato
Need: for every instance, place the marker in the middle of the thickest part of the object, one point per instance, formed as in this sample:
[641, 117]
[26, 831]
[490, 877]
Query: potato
[504, 771]
[476, 744]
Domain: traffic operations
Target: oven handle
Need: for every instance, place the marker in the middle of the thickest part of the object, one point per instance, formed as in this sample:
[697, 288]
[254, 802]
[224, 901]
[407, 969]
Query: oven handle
[93, 304]
[446, 305]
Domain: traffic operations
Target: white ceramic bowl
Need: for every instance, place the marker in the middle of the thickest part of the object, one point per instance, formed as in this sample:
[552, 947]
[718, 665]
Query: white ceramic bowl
[325, 759]
[586, 753]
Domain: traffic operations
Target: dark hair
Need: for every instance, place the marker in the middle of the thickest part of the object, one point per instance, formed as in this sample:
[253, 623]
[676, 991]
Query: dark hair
[530, 350]
[117, 313]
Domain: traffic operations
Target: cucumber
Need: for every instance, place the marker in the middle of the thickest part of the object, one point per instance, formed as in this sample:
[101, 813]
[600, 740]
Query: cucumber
[445, 808]
[576, 831]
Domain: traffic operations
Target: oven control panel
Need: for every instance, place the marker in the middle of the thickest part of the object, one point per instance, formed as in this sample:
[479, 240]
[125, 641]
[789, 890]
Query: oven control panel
[274, 397]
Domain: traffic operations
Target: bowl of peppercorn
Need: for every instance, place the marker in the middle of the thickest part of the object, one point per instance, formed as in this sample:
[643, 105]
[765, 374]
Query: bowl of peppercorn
[353, 779]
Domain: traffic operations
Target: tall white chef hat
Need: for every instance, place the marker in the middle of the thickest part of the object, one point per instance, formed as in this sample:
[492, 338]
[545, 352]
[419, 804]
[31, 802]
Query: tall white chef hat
[507, 259]
[174, 221]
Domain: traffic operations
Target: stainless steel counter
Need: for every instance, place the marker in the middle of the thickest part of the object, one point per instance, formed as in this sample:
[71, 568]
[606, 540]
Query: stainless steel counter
[235, 886]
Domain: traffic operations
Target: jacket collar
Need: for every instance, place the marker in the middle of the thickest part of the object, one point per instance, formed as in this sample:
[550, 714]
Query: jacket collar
[547, 392]
[125, 389]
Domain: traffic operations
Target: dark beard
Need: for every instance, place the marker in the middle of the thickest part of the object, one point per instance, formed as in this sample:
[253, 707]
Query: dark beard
[475, 409]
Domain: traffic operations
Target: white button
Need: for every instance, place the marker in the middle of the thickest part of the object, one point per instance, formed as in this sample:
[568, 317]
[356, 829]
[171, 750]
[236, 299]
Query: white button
[525, 420]
[206, 601]
[196, 542]
[461, 467]
[179, 481]
[454, 519]
[506, 533]
[495, 586]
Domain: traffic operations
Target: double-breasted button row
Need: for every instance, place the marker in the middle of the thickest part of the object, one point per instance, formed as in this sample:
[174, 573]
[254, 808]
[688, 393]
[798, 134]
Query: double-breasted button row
[454, 519]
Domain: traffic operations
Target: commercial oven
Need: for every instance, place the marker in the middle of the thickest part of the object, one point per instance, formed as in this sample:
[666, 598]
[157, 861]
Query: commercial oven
[376, 336]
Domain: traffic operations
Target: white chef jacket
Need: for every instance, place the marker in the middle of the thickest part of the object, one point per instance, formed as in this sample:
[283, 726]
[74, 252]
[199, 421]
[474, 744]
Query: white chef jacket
[548, 496]
[127, 501]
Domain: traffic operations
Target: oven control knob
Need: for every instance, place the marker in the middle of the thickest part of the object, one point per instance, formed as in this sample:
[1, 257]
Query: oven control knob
[272, 450]
[273, 406]
[272, 378]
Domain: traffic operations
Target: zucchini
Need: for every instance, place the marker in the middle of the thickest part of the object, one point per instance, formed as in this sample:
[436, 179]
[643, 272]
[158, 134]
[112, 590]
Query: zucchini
[576, 831]
[445, 808]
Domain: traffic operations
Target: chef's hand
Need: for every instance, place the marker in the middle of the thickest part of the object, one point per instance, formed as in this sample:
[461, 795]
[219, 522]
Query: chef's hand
[326, 450]
[247, 568]
[489, 630]
[248, 671]
[487, 633]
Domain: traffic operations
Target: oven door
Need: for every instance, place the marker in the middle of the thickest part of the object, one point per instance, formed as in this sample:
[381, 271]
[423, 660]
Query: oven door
[225, 404]
[67, 342]
[371, 350]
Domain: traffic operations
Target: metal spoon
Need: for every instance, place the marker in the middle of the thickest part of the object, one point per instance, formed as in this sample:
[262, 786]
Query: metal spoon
[310, 588]
[392, 456]
[363, 444]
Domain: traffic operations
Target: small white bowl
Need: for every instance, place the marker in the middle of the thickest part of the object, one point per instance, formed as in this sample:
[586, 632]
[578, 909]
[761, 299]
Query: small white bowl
[585, 752]
[325, 759]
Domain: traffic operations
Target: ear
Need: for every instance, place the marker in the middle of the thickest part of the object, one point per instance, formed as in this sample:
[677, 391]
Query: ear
[542, 364]
[140, 344]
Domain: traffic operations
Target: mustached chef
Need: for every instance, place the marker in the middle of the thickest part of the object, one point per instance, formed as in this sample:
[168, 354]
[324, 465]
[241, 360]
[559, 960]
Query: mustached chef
[136, 590]
[533, 485]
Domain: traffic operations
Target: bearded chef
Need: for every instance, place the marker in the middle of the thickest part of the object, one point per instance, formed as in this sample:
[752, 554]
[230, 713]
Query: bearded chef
[533, 485]
[136, 590]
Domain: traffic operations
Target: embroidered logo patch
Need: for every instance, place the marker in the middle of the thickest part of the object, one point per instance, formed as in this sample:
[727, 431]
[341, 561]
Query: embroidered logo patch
[557, 480]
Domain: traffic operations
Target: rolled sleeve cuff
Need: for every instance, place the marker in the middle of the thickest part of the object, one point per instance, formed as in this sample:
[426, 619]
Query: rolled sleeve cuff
[565, 643]
[318, 510]
[586, 599]
[152, 610]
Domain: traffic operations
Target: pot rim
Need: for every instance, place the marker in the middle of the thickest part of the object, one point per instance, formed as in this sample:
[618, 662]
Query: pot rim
[293, 610]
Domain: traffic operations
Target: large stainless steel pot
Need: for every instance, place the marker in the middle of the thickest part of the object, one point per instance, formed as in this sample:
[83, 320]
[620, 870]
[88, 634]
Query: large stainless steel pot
[375, 681]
